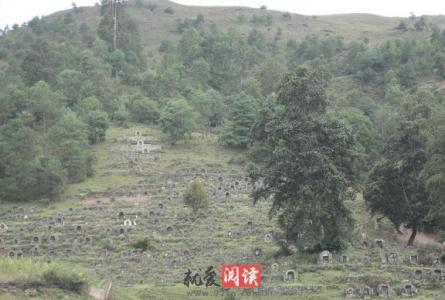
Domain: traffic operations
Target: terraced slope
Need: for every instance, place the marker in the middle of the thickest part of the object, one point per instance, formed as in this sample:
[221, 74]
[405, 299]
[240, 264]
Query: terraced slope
[136, 195]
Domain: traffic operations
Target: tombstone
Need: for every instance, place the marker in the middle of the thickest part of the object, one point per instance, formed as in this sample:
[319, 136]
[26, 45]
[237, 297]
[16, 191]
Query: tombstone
[221, 178]
[186, 253]
[227, 194]
[52, 238]
[366, 292]
[350, 292]
[325, 258]
[408, 290]
[290, 275]
[3, 227]
[51, 253]
[15, 241]
[417, 273]
[392, 258]
[384, 290]
[174, 264]
[257, 252]
[35, 239]
[161, 206]
[78, 228]
[230, 234]
[442, 259]
[365, 244]
[88, 240]
[379, 243]
[275, 268]
[268, 238]
[344, 259]
[249, 226]
[12, 254]
[169, 229]
[59, 221]
[121, 231]
[414, 259]
[68, 252]
[440, 273]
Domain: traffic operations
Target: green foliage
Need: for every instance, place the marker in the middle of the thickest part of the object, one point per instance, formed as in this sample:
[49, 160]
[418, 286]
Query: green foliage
[210, 106]
[71, 84]
[402, 26]
[97, 122]
[237, 132]
[421, 24]
[177, 119]
[126, 55]
[45, 274]
[121, 115]
[433, 173]
[265, 20]
[196, 197]
[144, 110]
[394, 187]
[169, 11]
[44, 105]
[68, 140]
[13, 100]
[41, 62]
[23, 175]
[62, 280]
[307, 168]
[142, 244]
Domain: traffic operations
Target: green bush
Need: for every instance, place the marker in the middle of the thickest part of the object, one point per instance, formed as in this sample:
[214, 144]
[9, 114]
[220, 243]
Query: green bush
[143, 244]
[62, 279]
[196, 197]
[169, 11]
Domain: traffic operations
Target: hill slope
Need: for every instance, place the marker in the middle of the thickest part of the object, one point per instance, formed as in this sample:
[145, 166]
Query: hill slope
[156, 25]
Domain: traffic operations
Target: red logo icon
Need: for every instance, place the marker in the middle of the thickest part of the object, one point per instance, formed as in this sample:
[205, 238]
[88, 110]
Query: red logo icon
[241, 276]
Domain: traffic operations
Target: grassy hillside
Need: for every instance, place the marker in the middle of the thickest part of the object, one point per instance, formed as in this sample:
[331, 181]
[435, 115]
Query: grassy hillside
[231, 230]
[93, 169]
[156, 25]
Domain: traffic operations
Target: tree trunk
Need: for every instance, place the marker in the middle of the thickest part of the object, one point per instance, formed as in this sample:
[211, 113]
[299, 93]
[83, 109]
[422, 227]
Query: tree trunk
[413, 236]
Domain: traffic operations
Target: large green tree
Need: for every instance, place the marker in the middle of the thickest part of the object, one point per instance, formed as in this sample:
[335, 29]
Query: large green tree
[237, 132]
[307, 168]
[177, 119]
[395, 188]
[24, 175]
